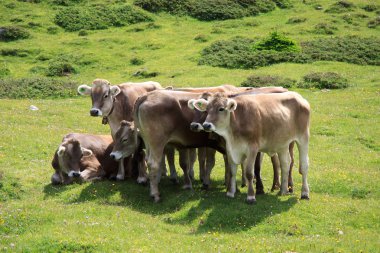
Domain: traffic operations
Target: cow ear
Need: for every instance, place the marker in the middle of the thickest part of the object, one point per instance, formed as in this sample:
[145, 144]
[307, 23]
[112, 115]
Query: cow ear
[231, 105]
[200, 104]
[61, 150]
[115, 90]
[86, 152]
[190, 104]
[84, 89]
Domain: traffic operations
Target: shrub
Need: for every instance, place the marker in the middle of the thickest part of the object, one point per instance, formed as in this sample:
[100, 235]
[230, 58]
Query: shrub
[30, 1]
[201, 38]
[216, 10]
[136, 61]
[323, 80]
[14, 52]
[374, 23]
[344, 49]
[341, 7]
[52, 30]
[295, 20]
[370, 7]
[82, 33]
[324, 28]
[66, 2]
[267, 80]
[277, 42]
[144, 73]
[10, 33]
[37, 88]
[43, 57]
[283, 4]
[16, 20]
[61, 66]
[98, 17]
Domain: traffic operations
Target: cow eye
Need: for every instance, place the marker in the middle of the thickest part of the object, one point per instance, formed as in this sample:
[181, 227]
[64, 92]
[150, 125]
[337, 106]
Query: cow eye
[221, 109]
[124, 140]
[106, 95]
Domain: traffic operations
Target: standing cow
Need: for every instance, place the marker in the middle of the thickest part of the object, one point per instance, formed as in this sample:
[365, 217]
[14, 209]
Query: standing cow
[83, 156]
[115, 103]
[260, 123]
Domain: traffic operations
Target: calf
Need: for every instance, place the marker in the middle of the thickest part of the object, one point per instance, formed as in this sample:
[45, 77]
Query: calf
[260, 123]
[83, 156]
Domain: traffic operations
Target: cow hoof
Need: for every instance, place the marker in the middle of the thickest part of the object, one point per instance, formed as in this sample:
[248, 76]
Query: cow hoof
[142, 180]
[174, 181]
[187, 187]
[119, 177]
[260, 191]
[290, 189]
[243, 185]
[230, 194]
[251, 200]
[283, 193]
[306, 197]
[156, 198]
[205, 187]
[113, 177]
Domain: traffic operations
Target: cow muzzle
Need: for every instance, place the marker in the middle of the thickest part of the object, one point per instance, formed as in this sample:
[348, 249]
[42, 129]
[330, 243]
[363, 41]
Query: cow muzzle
[73, 173]
[196, 127]
[95, 112]
[116, 155]
[208, 127]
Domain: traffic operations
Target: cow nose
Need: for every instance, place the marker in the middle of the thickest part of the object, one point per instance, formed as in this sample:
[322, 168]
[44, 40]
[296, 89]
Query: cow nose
[113, 156]
[206, 126]
[94, 112]
[195, 127]
[76, 174]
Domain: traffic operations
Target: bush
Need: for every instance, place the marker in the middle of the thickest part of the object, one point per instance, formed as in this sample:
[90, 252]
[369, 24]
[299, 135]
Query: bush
[52, 30]
[98, 17]
[136, 61]
[238, 53]
[37, 88]
[370, 7]
[66, 2]
[374, 23]
[144, 73]
[277, 42]
[295, 20]
[11, 33]
[208, 10]
[341, 7]
[82, 33]
[201, 38]
[60, 66]
[324, 28]
[14, 52]
[267, 80]
[43, 57]
[323, 80]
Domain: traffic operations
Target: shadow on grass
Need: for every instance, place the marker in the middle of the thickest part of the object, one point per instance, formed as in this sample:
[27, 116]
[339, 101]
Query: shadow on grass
[211, 210]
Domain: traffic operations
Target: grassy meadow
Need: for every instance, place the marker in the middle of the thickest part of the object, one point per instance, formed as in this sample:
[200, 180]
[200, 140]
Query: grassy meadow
[342, 214]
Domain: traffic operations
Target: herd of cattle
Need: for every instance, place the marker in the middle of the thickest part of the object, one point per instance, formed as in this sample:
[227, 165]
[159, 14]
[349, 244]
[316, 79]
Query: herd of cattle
[148, 123]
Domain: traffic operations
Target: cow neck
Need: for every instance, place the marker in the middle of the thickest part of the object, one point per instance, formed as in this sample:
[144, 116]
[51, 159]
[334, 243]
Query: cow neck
[105, 120]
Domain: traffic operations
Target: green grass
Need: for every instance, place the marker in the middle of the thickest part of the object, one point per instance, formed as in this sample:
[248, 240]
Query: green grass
[119, 216]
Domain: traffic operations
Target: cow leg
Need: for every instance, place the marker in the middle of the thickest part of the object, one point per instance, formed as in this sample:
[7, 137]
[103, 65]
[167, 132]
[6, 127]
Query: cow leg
[184, 162]
[249, 171]
[284, 157]
[276, 169]
[142, 177]
[243, 177]
[192, 158]
[154, 162]
[304, 167]
[257, 171]
[210, 163]
[170, 153]
[121, 172]
[290, 180]
[202, 156]
[231, 189]
[91, 174]
[227, 171]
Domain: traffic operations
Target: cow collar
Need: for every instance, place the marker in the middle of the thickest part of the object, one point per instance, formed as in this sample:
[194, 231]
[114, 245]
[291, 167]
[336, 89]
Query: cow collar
[105, 120]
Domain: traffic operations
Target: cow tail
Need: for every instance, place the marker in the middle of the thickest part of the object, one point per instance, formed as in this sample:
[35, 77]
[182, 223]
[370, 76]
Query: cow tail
[136, 109]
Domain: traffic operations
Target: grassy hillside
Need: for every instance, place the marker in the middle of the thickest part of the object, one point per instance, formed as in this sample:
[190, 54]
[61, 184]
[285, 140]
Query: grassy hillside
[342, 215]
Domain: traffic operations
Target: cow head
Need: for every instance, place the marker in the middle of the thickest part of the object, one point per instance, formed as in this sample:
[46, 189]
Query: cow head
[69, 154]
[199, 116]
[102, 96]
[218, 109]
[126, 141]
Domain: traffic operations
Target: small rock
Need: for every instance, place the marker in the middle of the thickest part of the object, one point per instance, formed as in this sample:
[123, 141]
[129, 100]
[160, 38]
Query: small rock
[33, 108]
[340, 232]
[12, 245]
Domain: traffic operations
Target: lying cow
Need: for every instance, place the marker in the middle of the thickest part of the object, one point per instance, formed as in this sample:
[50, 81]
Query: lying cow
[85, 157]
[115, 103]
[260, 123]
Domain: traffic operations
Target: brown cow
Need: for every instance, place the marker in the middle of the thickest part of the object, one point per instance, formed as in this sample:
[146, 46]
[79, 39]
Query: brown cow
[83, 156]
[115, 103]
[260, 123]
